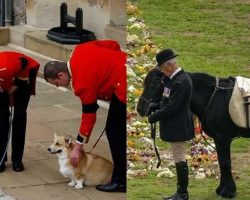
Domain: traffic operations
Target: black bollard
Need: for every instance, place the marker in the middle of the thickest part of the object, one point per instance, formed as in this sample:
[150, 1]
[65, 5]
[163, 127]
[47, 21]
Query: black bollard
[70, 35]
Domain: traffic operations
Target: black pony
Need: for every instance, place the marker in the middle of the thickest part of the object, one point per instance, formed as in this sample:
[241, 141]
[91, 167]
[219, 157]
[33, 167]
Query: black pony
[209, 102]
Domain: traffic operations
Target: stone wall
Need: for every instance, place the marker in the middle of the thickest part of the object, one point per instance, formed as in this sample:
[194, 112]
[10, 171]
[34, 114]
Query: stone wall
[19, 12]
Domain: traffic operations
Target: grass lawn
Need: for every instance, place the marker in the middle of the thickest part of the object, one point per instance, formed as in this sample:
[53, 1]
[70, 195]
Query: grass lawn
[211, 36]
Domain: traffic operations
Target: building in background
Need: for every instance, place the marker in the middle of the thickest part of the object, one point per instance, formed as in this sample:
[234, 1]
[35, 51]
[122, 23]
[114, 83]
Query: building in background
[106, 18]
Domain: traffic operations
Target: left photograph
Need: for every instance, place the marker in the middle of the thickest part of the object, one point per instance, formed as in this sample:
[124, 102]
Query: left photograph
[63, 94]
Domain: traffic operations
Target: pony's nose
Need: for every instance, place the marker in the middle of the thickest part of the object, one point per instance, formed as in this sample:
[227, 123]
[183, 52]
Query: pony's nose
[49, 149]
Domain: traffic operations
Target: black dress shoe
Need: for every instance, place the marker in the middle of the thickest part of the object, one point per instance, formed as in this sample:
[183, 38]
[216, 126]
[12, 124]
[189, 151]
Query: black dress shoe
[112, 187]
[2, 168]
[18, 166]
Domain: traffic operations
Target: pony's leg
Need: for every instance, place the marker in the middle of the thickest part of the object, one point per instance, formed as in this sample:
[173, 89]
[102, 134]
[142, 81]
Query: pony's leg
[227, 187]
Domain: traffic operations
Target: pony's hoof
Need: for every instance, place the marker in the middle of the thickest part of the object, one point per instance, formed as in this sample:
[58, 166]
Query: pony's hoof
[225, 193]
[219, 190]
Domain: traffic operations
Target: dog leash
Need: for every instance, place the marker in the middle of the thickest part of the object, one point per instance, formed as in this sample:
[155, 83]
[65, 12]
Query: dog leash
[9, 134]
[98, 139]
[153, 135]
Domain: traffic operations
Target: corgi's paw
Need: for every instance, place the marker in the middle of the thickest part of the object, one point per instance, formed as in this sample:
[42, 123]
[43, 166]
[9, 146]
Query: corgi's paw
[79, 186]
[72, 183]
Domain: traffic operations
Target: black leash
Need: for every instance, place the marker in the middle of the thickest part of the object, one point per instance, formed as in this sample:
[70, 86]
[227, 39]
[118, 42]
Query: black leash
[153, 135]
[98, 139]
[9, 135]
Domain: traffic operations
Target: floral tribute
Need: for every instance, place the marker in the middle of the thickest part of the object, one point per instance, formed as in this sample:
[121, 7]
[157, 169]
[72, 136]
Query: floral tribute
[141, 158]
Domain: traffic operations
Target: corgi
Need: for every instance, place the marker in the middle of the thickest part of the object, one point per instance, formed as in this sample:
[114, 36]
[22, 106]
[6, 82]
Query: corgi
[91, 170]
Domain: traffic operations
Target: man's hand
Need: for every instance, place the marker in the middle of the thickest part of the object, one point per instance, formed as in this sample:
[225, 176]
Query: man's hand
[75, 154]
[12, 89]
[153, 107]
[152, 119]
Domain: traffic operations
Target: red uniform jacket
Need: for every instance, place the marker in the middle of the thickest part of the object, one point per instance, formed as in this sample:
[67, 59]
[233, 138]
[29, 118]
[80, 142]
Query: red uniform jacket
[10, 67]
[98, 70]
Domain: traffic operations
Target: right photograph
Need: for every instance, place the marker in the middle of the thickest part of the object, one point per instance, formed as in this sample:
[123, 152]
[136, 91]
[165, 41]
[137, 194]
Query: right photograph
[188, 114]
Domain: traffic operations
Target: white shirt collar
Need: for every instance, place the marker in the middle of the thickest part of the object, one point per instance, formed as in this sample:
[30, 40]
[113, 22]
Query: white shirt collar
[69, 69]
[175, 72]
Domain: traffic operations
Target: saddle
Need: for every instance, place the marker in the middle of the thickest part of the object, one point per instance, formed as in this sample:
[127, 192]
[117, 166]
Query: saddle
[239, 109]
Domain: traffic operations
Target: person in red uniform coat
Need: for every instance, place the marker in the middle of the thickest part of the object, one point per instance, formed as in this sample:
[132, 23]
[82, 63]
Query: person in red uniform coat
[97, 71]
[17, 83]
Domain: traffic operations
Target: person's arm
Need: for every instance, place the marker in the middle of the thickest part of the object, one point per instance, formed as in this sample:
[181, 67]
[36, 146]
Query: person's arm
[176, 99]
[89, 107]
[29, 71]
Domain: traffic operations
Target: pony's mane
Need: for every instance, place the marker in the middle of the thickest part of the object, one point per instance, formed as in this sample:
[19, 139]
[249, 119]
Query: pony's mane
[152, 75]
[203, 79]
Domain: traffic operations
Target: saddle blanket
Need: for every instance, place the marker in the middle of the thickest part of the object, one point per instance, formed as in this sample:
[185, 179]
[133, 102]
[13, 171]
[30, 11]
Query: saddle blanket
[239, 103]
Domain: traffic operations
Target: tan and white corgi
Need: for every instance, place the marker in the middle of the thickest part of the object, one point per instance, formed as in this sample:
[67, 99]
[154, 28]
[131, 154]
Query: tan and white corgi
[91, 170]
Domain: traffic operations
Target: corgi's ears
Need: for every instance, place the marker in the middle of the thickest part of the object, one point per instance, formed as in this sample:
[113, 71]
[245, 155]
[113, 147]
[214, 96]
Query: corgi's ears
[68, 139]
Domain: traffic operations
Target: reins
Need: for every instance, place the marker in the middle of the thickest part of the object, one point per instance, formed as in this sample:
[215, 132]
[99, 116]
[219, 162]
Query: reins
[153, 135]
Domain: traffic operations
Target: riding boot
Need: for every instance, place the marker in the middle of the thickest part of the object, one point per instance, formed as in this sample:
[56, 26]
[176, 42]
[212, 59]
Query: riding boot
[182, 182]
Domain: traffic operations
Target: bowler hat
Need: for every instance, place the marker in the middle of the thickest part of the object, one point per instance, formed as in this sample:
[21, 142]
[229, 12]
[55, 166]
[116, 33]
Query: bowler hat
[164, 55]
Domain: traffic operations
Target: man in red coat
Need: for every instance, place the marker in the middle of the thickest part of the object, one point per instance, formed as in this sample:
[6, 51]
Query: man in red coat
[97, 70]
[17, 82]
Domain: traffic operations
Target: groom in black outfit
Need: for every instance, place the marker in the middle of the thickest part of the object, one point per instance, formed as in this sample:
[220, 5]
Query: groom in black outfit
[175, 117]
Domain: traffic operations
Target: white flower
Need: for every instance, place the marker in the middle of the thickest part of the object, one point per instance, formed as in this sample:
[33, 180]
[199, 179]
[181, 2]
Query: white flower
[146, 140]
[166, 173]
[131, 88]
[132, 39]
[200, 175]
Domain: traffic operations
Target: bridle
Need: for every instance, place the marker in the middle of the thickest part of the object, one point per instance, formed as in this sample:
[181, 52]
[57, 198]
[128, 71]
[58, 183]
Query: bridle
[151, 100]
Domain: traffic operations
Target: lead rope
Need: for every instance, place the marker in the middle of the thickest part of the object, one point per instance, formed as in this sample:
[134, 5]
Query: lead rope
[98, 139]
[153, 135]
[201, 132]
[9, 135]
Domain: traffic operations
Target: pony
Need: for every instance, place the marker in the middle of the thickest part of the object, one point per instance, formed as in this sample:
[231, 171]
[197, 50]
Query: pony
[210, 103]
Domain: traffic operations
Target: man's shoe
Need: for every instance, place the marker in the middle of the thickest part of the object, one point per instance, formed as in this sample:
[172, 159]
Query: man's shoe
[177, 196]
[2, 168]
[111, 187]
[18, 166]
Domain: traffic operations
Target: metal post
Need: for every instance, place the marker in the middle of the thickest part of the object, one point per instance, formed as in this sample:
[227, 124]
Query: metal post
[79, 20]
[8, 12]
[63, 14]
[2, 12]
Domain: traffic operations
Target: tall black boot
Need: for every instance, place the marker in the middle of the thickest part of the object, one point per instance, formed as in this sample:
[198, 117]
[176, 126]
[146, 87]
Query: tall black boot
[182, 182]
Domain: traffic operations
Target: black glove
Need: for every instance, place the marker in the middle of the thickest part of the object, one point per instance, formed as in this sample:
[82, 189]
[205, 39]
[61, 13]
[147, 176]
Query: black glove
[153, 107]
[152, 118]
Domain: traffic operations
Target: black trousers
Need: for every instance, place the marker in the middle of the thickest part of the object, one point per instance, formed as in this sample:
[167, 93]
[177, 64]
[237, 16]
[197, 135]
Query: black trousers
[116, 134]
[21, 100]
